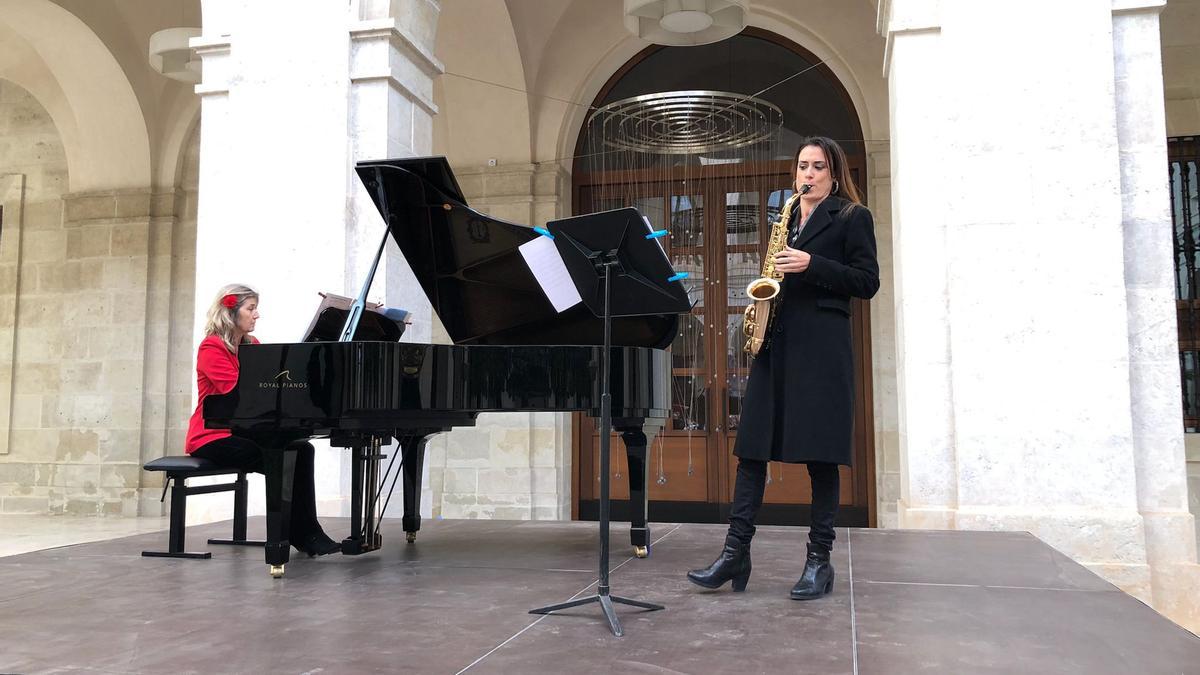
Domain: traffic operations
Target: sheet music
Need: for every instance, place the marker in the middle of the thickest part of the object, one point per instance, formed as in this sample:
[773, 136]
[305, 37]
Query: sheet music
[551, 273]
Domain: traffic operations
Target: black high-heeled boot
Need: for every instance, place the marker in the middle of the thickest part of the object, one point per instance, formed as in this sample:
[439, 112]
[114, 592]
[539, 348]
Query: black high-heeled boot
[733, 563]
[817, 578]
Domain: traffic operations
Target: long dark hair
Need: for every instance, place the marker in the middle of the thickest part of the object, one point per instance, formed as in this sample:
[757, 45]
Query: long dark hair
[838, 167]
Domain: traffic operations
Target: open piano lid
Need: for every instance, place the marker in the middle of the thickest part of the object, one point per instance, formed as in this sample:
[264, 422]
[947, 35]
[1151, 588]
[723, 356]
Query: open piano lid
[471, 269]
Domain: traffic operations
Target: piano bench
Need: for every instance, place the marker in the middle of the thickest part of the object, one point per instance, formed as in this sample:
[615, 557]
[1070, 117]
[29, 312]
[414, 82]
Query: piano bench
[180, 468]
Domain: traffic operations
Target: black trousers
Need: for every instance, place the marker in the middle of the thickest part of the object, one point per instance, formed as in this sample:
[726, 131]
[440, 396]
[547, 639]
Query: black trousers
[748, 497]
[243, 453]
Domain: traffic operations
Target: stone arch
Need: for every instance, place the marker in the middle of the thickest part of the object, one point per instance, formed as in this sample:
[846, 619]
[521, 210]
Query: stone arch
[853, 68]
[182, 124]
[84, 91]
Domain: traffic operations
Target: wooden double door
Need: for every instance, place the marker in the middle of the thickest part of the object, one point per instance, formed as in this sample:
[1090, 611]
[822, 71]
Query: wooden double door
[718, 224]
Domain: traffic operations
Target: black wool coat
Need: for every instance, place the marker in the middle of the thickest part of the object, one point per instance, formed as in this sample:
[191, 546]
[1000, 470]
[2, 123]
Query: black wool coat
[799, 401]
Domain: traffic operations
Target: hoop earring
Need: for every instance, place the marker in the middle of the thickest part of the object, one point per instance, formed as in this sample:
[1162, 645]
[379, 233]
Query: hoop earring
[835, 188]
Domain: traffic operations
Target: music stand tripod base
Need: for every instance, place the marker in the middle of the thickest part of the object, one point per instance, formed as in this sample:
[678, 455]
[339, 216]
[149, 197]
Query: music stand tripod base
[599, 250]
[606, 603]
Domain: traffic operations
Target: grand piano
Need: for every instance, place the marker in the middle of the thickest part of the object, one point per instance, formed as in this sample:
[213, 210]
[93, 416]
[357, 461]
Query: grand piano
[512, 351]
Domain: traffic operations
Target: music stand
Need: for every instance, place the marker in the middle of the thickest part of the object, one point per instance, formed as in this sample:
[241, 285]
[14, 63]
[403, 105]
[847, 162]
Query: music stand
[606, 252]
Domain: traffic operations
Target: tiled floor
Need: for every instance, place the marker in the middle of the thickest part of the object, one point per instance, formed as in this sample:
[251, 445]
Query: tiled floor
[457, 600]
[22, 534]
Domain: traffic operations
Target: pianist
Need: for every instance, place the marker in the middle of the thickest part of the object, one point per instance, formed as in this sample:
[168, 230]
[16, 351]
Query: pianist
[231, 319]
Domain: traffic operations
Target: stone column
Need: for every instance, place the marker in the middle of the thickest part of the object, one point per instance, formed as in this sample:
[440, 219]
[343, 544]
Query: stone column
[390, 115]
[1159, 462]
[883, 340]
[106, 422]
[289, 103]
[221, 255]
[12, 202]
[928, 486]
[1017, 404]
[273, 159]
[158, 414]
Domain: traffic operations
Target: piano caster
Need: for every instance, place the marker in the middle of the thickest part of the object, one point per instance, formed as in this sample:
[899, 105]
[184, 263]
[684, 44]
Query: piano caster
[276, 571]
[641, 551]
[410, 537]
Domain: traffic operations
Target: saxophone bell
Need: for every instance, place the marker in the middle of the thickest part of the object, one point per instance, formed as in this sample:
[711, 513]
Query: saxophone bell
[763, 288]
[766, 290]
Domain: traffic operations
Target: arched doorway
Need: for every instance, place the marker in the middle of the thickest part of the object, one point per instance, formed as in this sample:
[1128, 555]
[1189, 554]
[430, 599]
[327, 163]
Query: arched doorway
[719, 216]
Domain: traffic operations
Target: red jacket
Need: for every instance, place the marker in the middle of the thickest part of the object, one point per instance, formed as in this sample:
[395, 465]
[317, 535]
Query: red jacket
[216, 373]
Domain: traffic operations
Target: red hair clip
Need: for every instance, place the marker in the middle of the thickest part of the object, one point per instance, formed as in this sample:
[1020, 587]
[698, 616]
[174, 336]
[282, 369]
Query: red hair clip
[229, 301]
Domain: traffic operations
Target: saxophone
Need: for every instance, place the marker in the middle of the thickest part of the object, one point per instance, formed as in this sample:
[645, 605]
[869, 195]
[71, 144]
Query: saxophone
[764, 291]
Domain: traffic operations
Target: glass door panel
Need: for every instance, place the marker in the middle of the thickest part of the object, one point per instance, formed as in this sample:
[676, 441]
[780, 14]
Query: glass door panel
[775, 201]
[687, 220]
[652, 208]
[689, 362]
[741, 218]
[689, 382]
[744, 235]
[736, 373]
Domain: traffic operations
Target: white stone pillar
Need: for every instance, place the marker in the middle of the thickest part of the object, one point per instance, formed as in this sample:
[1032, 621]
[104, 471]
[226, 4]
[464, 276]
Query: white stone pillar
[1012, 347]
[391, 111]
[928, 484]
[291, 97]
[273, 158]
[883, 339]
[1162, 491]
[391, 115]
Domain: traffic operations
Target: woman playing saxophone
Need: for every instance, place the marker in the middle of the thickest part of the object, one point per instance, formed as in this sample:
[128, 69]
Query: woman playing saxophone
[799, 401]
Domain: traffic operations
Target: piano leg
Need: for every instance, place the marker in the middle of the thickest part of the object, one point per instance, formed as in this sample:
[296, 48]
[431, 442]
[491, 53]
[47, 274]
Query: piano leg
[371, 483]
[635, 449]
[279, 469]
[365, 484]
[413, 448]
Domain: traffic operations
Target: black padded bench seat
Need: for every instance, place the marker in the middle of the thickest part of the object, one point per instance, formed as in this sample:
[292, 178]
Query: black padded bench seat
[179, 468]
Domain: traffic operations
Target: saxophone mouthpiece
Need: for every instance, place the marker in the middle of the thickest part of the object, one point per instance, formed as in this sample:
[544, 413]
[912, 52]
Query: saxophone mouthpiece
[805, 188]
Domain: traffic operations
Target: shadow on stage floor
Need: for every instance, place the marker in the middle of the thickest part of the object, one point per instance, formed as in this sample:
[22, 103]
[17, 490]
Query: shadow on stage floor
[904, 601]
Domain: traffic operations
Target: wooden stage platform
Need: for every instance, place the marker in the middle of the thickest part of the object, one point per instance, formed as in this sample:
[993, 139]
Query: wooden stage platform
[457, 600]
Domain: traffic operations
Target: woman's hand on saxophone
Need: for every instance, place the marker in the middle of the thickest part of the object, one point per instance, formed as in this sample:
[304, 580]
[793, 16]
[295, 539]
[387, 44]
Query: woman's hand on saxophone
[791, 260]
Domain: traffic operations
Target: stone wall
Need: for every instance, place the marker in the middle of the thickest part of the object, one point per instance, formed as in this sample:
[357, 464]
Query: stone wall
[33, 273]
[92, 348]
[1034, 330]
[80, 331]
[510, 465]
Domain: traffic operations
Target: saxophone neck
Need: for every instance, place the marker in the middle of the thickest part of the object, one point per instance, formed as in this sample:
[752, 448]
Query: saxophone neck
[778, 238]
[789, 205]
